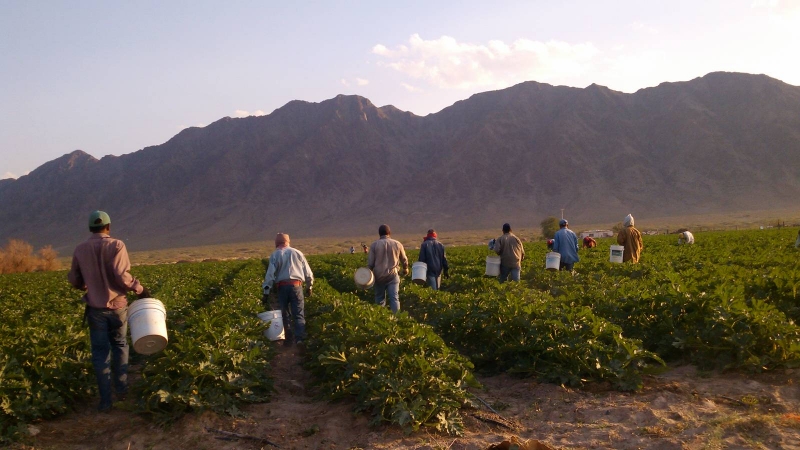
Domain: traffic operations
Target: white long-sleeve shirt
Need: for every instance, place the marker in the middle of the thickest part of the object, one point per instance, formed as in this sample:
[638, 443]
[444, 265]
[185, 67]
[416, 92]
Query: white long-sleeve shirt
[285, 264]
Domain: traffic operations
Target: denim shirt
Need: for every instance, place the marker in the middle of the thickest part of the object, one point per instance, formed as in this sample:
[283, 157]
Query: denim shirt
[566, 243]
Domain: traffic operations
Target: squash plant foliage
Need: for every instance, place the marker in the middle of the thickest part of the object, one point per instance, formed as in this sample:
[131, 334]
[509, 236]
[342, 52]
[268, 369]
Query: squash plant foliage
[396, 369]
[731, 301]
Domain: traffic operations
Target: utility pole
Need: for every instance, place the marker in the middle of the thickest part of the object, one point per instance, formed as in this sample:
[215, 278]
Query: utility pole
[562, 213]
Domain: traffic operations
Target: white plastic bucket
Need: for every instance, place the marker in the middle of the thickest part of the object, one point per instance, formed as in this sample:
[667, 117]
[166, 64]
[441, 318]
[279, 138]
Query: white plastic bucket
[616, 253]
[147, 318]
[364, 278]
[492, 266]
[275, 330]
[553, 261]
[419, 271]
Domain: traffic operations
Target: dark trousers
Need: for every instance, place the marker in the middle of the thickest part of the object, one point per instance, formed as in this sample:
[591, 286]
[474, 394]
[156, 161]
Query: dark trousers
[291, 300]
[107, 333]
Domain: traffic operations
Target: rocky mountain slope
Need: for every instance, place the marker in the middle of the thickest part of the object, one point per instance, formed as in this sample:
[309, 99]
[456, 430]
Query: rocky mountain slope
[724, 142]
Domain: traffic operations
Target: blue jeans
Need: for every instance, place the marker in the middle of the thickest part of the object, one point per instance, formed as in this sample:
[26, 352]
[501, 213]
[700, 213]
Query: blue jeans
[107, 333]
[434, 282]
[506, 271]
[291, 298]
[393, 289]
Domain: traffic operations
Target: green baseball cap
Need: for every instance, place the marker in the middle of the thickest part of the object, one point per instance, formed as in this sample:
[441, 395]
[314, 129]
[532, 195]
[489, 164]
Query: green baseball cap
[99, 219]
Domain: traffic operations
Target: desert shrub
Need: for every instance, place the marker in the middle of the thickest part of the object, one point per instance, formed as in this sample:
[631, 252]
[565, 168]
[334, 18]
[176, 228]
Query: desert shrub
[18, 256]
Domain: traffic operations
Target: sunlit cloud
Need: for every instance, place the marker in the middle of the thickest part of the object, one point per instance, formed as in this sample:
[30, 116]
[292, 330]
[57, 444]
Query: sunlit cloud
[777, 6]
[765, 3]
[447, 63]
[8, 175]
[243, 113]
[183, 127]
[643, 28]
[354, 81]
[411, 88]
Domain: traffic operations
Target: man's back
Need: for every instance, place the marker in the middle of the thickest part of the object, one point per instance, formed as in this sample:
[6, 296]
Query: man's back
[101, 265]
[510, 249]
[431, 252]
[631, 239]
[385, 255]
[288, 263]
[566, 243]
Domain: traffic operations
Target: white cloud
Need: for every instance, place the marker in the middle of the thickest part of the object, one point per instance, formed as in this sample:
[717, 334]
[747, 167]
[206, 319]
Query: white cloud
[411, 88]
[643, 28]
[183, 127]
[765, 3]
[354, 81]
[8, 175]
[447, 63]
[243, 113]
[629, 72]
[777, 6]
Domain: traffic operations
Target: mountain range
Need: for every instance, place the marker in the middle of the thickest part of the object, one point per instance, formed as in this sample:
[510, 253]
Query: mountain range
[723, 142]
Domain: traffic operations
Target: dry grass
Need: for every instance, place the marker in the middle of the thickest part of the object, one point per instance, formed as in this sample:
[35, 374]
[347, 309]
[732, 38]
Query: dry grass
[18, 256]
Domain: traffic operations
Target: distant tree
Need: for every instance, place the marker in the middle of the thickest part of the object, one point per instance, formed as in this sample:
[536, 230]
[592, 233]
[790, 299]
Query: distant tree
[617, 228]
[549, 227]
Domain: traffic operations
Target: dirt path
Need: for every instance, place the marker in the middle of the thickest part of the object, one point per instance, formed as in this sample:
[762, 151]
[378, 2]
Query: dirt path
[680, 409]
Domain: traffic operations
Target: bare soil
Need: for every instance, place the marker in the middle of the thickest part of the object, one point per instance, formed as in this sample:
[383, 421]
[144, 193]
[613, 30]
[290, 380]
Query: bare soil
[681, 408]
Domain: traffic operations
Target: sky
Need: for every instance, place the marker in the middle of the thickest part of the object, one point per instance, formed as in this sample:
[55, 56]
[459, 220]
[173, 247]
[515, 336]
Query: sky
[111, 78]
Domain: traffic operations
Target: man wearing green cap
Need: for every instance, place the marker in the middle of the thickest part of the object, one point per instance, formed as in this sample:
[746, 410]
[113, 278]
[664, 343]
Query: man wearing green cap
[101, 268]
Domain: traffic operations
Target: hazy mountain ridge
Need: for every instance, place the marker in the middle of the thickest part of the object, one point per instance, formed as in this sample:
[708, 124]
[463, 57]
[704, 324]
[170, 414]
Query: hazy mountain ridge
[722, 142]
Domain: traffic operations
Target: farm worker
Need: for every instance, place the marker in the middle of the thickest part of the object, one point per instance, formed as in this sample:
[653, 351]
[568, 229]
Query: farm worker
[550, 243]
[431, 252]
[287, 271]
[101, 268]
[385, 255]
[509, 247]
[589, 242]
[685, 238]
[566, 243]
[364, 247]
[630, 238]
[352, 250]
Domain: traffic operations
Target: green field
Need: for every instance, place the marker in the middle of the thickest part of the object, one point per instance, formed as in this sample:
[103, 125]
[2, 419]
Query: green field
[729, 302]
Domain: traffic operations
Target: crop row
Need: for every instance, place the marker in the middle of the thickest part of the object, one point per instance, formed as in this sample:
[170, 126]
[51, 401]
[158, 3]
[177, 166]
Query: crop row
[729, 301]
[217, 357]
[395, 368]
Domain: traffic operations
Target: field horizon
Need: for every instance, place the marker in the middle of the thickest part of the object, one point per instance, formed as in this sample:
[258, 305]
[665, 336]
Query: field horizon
[309, 245]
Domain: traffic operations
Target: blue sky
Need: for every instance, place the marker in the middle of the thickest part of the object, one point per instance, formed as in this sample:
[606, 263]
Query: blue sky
[114, 77]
